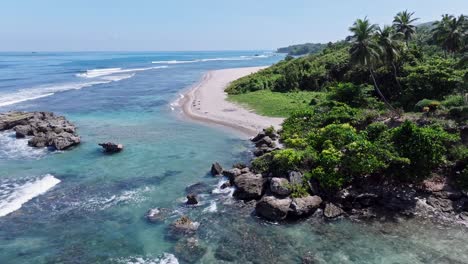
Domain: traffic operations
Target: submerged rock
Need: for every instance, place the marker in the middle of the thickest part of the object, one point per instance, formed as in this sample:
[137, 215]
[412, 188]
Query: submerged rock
[216, 169]
[45, 128]
[190, 250]
[155, 215]
[301, 207]
[110, 147]
[273, 208]
[249, 186]
[198, 188]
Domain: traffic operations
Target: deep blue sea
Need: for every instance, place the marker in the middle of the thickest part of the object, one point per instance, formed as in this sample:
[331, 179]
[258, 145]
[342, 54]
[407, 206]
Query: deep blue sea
[80, 206]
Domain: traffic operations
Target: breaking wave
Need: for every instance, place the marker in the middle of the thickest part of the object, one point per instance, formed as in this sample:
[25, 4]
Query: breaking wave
[13, 194]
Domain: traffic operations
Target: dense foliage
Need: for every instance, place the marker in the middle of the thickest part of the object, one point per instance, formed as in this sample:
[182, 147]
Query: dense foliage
[302, 49]
[351, 124]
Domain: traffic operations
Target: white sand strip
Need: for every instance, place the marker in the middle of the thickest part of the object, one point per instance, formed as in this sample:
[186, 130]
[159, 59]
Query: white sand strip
[207, 102]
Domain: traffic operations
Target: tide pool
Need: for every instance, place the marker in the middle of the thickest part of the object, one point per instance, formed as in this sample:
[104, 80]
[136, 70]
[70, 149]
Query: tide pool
[81, 206]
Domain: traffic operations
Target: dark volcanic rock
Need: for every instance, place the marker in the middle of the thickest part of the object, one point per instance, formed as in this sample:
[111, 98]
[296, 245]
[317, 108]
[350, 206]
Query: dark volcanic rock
[265, 141]
[295, 177]
[110, 147]
[232, 173]
[305, 206]
[192, 199]
[216, 169]
[273, 208]
[249, 186]
[332, 211]
[46, 129]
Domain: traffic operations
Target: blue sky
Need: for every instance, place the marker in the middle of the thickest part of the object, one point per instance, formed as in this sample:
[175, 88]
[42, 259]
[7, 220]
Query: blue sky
[96, 25]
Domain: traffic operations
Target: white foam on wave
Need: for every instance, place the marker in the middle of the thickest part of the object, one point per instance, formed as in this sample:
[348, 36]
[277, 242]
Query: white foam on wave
[13, 195]
[212, 208]
[13, 148]
[166, 258]
[93, 77]
[240, 58]
[110, 71]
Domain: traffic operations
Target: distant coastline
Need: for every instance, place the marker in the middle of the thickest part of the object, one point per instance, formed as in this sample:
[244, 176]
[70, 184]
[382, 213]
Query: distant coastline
[206, 102]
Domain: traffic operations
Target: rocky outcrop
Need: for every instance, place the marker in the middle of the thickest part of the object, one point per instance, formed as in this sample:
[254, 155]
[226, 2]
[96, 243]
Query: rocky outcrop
[273, 208]
[45, 129]
[279, 186]
[184, 225]
[304, 206]
[216, 169]
[265, 141]
[332, 211]
[192, 199]
[232, 173]
[110, 147]
[249, 186]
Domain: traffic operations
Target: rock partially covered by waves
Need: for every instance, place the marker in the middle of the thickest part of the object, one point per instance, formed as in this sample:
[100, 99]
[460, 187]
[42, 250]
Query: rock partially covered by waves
[184, 225]
[45, 128]
[110, 147]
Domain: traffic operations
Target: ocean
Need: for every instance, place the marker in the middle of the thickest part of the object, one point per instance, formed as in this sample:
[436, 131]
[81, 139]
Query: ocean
[81, 206]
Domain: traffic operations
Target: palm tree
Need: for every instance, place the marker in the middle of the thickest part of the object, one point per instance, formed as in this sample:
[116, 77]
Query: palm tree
[451, 33]
[364, 49]
[390, 45]
[403, 23]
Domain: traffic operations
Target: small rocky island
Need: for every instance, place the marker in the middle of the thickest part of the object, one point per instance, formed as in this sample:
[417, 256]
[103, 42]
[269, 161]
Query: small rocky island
[45, 129]
[275, 197]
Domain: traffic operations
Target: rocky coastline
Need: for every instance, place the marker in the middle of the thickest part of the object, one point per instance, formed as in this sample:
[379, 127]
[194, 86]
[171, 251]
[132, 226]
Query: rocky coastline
[44, 129]
[369, 199]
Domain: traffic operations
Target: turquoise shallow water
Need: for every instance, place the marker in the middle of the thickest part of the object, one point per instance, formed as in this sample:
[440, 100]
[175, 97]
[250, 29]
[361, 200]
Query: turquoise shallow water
[81, 206]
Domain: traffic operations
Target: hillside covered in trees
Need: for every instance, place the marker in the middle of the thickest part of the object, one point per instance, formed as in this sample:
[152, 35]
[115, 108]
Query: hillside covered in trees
[302, 49]
[388, 103]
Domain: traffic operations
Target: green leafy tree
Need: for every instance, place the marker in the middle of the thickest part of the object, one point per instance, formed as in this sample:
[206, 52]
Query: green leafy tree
[390, 44]
[365, 50]
[403, 23]
[450, 33]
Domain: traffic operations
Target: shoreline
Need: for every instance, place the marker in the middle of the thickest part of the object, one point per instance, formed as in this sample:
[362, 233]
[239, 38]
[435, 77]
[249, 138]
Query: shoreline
[206, 102]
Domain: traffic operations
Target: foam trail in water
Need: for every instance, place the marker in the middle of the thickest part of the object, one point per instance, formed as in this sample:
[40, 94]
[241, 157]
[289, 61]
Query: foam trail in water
[241, 58]
[17, 148]
[109, 71]
[165, 259]
[13, 196]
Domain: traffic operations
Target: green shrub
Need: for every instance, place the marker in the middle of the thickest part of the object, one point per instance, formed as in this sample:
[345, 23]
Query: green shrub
[453, 101]
[351, 94]
[430, 105]
[262, 164]
[337, 135]
[362, 157]
[285, 160]
[375, 130]
[425, 148]
[298, 190]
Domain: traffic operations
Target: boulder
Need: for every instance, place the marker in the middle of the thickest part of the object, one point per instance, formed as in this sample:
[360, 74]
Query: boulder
[110, 147]
[216, 169]
[38, 142]
[295, 177]
[259, 136]
[189, 250]
[279, 186]
[192, 199]
[225, 185]
[184, 225]
[273, 208]
[440, 204]
[23, 131]
[332, 211]
[367, 199]
[305, 206]
[64, 141]
[232, 173]
[249, 186]
[265, 141]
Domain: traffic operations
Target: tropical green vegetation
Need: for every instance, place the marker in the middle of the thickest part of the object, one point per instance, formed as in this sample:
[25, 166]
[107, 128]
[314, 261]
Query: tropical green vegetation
[302, 49]
[387, 102]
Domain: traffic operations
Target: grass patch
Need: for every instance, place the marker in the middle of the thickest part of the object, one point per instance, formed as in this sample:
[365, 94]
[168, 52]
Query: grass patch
[268, 103]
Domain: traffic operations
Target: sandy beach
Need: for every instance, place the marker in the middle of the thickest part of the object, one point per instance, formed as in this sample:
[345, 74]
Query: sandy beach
[207, 102]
